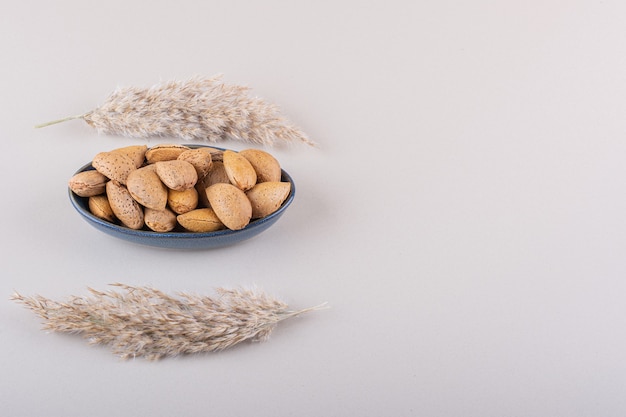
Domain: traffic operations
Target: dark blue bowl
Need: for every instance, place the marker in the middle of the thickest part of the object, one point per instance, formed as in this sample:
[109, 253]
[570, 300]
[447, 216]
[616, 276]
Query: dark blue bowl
[181, 240]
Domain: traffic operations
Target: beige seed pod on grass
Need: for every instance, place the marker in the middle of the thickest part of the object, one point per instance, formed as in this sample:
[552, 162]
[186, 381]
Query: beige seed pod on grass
[162, 324]
[201, 108]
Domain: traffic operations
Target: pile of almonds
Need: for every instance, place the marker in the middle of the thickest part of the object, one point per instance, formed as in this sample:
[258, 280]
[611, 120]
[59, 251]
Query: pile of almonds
[172, 186]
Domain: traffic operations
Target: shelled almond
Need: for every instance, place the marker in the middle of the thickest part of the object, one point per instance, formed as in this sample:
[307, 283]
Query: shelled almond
[174, 187]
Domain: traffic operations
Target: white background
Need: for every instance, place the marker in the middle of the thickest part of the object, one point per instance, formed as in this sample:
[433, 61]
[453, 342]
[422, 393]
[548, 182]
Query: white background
[464, 214]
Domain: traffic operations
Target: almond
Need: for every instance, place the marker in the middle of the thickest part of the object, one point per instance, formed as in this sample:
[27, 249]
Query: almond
[146, 187]
[164, 152]
[200, 158]
[125, 208]
[88, 183]
[99, 206]
[160, 220]
[239, 170]
[265, 165]
[230, 204]
[135, 152]
[182, 201]
[200, 220]
[114, 165]
[216, 174]
[177, 175]
[267, 197]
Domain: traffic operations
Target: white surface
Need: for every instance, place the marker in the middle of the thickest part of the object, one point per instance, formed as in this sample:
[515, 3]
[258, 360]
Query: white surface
[464, 215]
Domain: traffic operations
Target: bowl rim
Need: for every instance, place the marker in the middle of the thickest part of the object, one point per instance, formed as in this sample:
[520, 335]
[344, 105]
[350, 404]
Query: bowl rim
[80, 205]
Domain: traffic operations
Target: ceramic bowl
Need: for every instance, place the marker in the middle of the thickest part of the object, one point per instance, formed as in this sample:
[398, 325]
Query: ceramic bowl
[180, 239]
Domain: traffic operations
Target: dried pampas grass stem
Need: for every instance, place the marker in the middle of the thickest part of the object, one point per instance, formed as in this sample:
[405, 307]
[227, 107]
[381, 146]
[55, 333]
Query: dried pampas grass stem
[202, 108]
[143, 321]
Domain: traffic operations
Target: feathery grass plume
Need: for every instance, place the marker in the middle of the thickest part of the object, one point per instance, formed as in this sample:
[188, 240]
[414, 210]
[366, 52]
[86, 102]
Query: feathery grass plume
[146, 322]
[201, 108]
